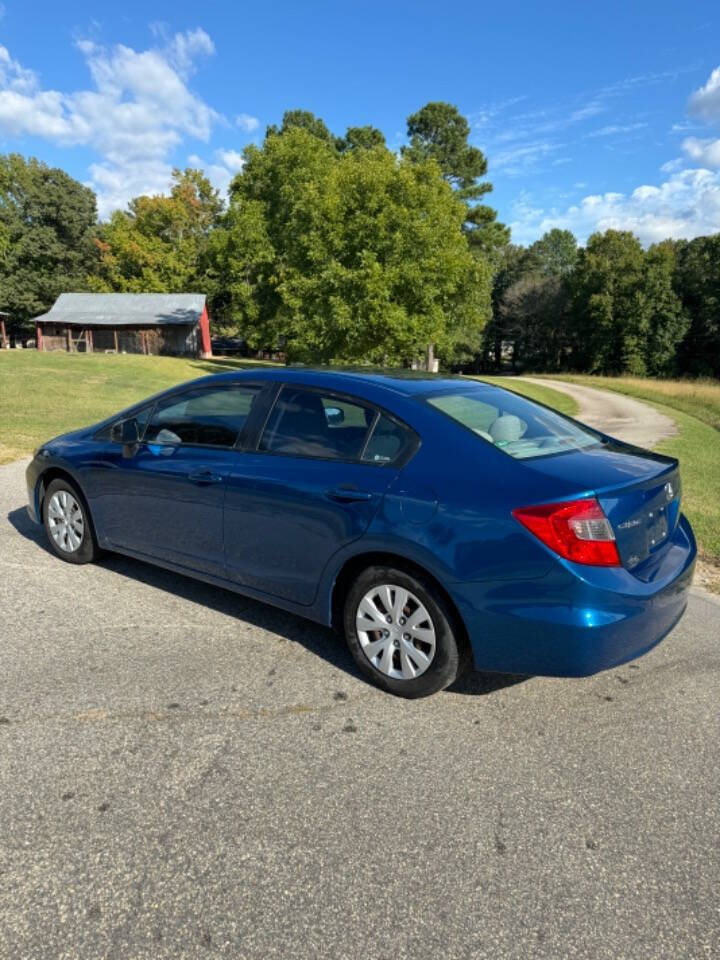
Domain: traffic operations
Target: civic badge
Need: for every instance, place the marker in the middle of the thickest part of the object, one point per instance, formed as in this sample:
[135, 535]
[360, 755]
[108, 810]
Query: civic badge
[669, 492]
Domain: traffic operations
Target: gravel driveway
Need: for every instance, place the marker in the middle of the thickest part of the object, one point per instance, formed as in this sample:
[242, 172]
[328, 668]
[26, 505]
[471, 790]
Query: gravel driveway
[185, 773]
[622, 417]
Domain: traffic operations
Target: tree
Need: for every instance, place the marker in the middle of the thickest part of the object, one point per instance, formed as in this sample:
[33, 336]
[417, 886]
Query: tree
[697, 283]
[438, 131]
[668, 321]
[554, 254]
[364, 138]
[302, 120]
[348, 256]
[535, 315]
[160, 243]
[611, 309]
[47, 228]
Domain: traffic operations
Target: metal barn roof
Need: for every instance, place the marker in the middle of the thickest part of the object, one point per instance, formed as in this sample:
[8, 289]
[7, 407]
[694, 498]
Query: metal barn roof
[125, 309]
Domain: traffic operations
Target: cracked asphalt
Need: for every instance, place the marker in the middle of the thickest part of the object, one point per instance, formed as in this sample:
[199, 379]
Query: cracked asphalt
[188, 774]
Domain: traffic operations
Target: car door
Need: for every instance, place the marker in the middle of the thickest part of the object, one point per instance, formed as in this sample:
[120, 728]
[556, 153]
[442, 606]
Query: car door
[311, 485]
[164, 498]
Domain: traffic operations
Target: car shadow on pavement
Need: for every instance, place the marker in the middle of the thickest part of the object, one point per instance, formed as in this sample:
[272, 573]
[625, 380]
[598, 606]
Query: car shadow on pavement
[322, 641]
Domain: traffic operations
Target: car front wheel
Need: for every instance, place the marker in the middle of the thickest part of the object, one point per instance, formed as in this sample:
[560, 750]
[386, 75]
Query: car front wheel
[401, 633]
[67, 523]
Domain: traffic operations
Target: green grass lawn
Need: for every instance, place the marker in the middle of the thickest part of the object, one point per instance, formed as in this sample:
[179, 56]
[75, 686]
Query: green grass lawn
[695, 408]
[44, 394]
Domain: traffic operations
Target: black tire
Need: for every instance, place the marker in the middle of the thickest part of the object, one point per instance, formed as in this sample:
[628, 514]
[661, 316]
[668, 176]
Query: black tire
[450, 655]
[87, 550]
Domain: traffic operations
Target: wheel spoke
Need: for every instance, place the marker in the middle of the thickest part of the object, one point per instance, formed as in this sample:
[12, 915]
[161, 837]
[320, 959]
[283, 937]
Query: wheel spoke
[417, 656]
[386, 595]
[386, 661]
[401, 599]
[373, 648]
[408, 669]
[425, 634]
[416, 618]
[369, 611]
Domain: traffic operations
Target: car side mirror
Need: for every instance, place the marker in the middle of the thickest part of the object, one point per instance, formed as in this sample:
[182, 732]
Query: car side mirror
[126, 432]
[334, 416]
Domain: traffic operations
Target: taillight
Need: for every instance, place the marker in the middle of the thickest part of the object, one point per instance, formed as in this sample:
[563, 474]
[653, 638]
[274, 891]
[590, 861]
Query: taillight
[578, 530]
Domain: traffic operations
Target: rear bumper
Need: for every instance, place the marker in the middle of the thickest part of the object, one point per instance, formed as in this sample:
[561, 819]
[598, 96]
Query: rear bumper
[577, 621]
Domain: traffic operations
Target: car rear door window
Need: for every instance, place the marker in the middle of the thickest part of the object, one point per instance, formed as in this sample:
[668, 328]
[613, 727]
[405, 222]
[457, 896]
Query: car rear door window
[210, 417]
[388, 442]
[306, 423]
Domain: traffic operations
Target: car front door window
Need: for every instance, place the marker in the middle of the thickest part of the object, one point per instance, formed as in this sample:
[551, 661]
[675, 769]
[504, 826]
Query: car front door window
[205, 417]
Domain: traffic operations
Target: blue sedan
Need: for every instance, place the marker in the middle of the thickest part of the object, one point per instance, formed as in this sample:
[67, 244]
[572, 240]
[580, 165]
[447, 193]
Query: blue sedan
[436, 522]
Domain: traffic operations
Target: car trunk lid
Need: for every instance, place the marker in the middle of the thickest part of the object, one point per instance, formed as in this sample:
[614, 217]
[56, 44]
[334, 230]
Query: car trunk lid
[638, 490]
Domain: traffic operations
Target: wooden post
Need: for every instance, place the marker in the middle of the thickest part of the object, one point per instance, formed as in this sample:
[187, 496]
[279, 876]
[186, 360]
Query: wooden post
[430, 358]
[39, 337]
[116, 339]
[89, 341]
[3, 334]
[69, 339]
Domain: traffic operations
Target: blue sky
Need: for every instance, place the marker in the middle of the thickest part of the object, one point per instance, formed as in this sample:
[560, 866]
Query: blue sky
[592, 116]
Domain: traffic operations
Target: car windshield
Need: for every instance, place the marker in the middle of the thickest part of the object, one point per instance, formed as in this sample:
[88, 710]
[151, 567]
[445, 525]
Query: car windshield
[516, 426]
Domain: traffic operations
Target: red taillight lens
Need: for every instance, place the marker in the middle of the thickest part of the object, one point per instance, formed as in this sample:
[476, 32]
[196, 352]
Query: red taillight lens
[578, 530]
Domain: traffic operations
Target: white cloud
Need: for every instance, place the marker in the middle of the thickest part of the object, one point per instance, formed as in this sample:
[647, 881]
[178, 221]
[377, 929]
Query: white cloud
[520, 160]
[247, 122]
[138, 111]
[185, 47]
[13, 76]
[231, 159]
[686, 205]
[613, 129]
[705, 102]
[591, 109]
[221, 170]
[705, 152]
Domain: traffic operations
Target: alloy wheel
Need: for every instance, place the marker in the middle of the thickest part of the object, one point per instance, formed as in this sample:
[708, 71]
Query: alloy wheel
[66, 521]
[395, 631]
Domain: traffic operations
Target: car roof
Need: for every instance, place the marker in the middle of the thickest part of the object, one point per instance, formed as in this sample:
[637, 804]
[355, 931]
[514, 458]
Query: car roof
[406, 383]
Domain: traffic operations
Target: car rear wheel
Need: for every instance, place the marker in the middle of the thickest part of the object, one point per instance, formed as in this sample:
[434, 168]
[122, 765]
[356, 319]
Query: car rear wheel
[67, 523]
[401, 633]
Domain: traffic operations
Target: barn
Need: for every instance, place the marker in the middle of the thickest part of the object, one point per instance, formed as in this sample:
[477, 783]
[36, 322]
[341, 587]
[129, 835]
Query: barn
[175, 324]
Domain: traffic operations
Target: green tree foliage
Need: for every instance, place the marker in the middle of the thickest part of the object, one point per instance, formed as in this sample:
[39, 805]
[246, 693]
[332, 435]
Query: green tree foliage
[555, 254]
[531, 303]
[364, 138]
[438, 131]
[47, 225]
[697, 283]
[668, 321]
[303, 120]
[160, 244]
[625, 308]
[347, 255]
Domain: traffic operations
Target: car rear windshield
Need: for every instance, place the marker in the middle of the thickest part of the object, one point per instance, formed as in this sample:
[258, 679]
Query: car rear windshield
[516, 426]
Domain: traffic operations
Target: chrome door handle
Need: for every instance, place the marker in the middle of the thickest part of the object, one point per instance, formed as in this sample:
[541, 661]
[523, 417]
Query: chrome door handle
[347, 494]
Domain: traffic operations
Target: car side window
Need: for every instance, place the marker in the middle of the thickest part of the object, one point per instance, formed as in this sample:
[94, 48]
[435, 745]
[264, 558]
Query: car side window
[211, 417]
[305, 423]
[388, 442]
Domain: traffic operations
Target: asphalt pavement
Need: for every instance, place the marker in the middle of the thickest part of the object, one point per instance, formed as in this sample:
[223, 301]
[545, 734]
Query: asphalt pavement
[186, 774]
